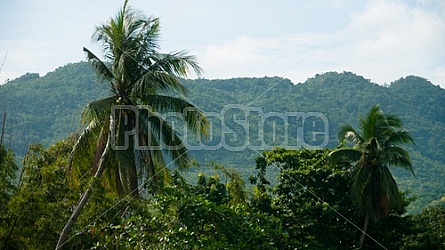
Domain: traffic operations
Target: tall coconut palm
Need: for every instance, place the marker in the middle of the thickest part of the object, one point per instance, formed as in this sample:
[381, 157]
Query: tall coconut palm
[375, 147]
[118, 137]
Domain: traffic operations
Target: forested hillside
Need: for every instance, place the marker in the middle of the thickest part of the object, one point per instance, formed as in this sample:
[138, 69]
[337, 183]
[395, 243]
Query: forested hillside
[46, 109]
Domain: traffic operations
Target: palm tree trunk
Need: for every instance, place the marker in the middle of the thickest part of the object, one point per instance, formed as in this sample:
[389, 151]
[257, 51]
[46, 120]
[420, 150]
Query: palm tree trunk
[365, 227]
[134, 181]
[100, 147]
[148, 159]
[83, 200]
[152, 169]
[86, 195]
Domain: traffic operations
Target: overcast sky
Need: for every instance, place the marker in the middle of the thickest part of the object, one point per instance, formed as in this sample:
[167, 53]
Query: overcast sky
[380, 40]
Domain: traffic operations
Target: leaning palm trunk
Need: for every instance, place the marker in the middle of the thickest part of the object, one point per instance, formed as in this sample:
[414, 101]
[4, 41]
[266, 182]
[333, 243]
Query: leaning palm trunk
[86, 195]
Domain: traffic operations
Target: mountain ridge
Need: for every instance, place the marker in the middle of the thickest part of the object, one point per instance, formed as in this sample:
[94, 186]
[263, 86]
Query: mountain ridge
[45, 109]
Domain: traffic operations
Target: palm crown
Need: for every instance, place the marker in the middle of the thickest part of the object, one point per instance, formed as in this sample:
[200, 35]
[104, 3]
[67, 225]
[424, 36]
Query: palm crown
[138, 74]
[114, 131]
[375, 148]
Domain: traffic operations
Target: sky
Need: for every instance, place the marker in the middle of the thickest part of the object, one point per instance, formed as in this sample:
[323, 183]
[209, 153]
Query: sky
[381, 40]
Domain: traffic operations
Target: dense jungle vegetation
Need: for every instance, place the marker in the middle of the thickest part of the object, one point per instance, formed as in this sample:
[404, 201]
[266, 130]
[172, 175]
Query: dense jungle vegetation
[335, 162]
[46, 109]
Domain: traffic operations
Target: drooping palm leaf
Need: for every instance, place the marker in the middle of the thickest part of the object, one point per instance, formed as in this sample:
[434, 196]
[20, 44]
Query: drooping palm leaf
[177, 63]
[344, 154]
[152, 82]
[194, 118]
[390, 189]
[398, 157]
[98, 111]
[166, 139]
[348, 133]
[399, 137]
[101, 68]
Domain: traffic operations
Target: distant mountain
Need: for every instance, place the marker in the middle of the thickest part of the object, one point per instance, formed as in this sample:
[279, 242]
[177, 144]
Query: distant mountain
[46, 109]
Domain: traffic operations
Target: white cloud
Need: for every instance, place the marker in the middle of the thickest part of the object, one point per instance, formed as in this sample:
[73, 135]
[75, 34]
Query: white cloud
[20, 54]
[36, 56]
[277, 56]
[394, 40]
[383, 42]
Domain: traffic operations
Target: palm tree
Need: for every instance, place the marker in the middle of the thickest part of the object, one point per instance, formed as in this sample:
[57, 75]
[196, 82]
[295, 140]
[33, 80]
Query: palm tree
[119, 139]
[375, 148]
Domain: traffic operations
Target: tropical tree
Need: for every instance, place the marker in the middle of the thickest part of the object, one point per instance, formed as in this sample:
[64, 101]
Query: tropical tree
[118, 137]
[41, 200]
[205, 215]
[307, 199]
[8, 171]
[375, 147]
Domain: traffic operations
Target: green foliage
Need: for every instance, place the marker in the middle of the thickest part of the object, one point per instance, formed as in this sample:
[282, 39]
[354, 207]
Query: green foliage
[46, 109]
[342, 97]
[188, 216]
[429, 230]
[138, 75]
[233, 191]
[310, 198]
[309, 208]
[312, 204]
[42, 200]
[8, 170]
[37, 207]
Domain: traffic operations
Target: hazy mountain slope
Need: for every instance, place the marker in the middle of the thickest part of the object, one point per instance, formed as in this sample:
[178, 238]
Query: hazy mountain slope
[46, 109]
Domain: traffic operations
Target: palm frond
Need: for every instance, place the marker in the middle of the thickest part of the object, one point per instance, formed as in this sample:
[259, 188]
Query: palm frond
[148, 38]
[115, 177]
[393, 121]
[170, 142]
[399, 137]
[348, 133]
[193, 117]
[154, 81]
[101, 68]
[98, 111]
[398, 157]
[177, 63]
[360, 181]
[120, 162]
[344, 154]
[81, 154]
[389, 189]
[159, 163]
[127, 169]
[95, 122]
[371, 124]
[151, 159]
